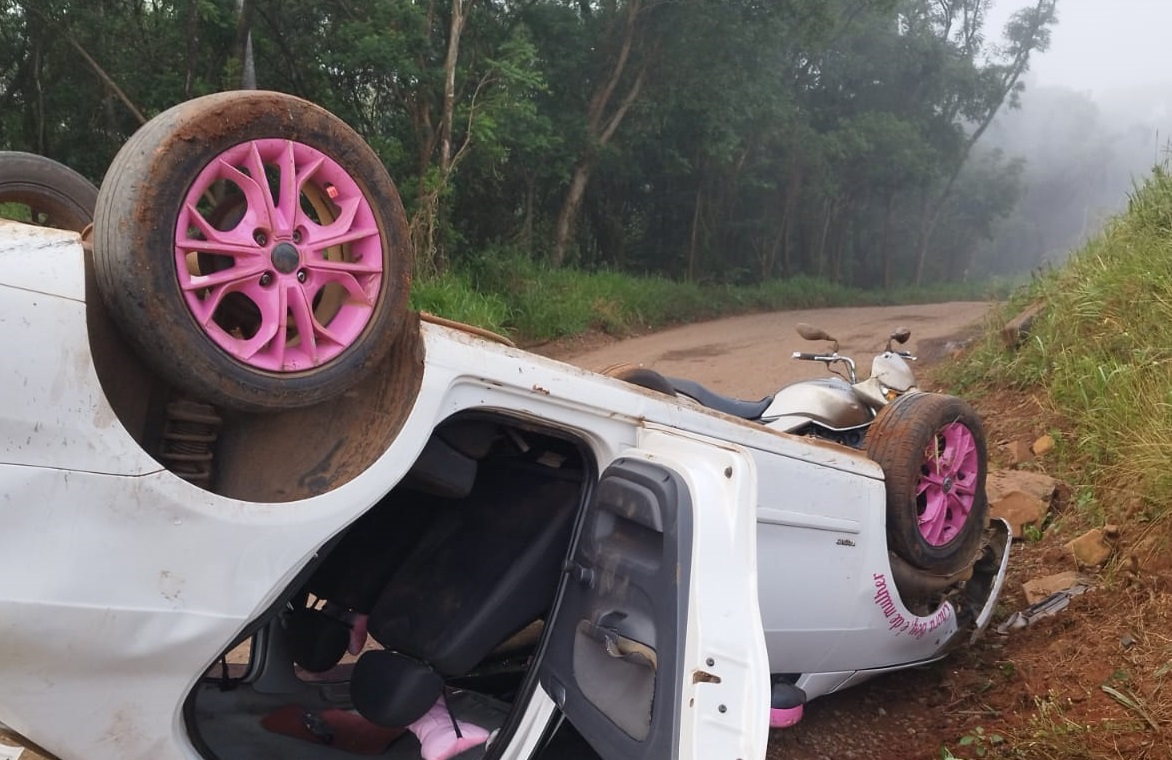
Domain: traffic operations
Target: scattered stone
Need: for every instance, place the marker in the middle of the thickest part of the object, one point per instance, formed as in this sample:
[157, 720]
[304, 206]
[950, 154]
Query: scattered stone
[1038, 589]
[1127, 641]
[1043, 445]
[1018, 452]
[1090, 549]
[1018, 329]
[1019, 509]
[1000, 482]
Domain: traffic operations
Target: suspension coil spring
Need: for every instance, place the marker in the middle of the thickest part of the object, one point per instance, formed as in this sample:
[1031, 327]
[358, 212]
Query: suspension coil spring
[189, 437]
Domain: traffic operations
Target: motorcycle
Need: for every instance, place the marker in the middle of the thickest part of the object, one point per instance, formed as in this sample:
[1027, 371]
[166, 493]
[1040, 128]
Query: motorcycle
[841, 408]
[838, 408]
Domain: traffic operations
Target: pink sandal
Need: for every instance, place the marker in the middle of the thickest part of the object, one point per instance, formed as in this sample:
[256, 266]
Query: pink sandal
[442, 736]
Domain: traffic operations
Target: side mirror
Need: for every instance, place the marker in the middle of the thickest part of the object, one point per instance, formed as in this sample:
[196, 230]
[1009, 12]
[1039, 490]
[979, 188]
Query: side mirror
[809, 332]
[900, 336]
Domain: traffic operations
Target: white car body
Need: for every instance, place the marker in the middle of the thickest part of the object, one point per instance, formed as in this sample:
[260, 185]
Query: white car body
[121, 584]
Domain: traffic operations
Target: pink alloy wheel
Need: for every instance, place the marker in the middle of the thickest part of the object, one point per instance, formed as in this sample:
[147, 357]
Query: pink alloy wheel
[279, 256]
[948, 481]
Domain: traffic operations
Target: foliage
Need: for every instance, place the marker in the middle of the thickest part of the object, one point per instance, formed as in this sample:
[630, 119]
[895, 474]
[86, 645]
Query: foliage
[505, 291]
[712, 141]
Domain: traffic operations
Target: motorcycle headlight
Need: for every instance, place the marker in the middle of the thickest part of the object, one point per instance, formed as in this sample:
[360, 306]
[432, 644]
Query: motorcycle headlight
[889, 393]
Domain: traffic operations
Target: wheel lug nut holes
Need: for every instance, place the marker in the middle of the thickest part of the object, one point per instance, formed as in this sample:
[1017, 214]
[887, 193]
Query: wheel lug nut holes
[260, 238]
[297, 236]
[302, 276]
[266, 279]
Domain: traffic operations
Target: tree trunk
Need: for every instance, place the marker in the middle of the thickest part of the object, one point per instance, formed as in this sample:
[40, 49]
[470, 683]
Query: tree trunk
[694, 238]
[39, 94]
[885, 241]
[530, 200]
[192, 48]
[570, 208]
[827, 216]
[793, 189]
[430, 253]
[600, 128]
[242, 48]
[1035, 37]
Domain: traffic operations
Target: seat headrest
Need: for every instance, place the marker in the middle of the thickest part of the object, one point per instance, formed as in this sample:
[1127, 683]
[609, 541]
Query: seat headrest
[393, 690]
[318, 640]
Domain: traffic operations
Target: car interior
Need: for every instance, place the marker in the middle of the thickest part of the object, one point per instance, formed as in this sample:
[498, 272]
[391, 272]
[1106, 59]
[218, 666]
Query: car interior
[452, 573]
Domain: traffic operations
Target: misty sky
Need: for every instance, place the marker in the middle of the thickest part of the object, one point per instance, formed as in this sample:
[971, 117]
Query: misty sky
[1101, 45]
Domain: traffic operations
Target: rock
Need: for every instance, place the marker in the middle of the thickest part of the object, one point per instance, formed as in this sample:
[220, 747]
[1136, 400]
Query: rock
[1019, 452]
[1018, 329]
[1090, 549]
[1043, 446]
[1019, 509]
[1037, 589]
[1001, 482]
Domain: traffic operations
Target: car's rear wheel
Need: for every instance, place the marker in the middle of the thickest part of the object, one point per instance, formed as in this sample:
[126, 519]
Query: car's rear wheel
[42, 191]
[254, 249]
[933, 453]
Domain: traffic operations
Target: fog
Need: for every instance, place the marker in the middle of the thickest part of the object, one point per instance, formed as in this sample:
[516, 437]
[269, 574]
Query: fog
[1095, 117]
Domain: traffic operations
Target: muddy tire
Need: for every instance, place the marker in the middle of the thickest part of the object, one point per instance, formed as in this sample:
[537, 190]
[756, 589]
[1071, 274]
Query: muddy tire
[933, 453]
[52, 194]
[254, 250]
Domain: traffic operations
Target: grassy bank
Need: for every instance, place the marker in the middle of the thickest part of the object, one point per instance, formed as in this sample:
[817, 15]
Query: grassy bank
[1101, 352]
[511, 294]
[1099, 359]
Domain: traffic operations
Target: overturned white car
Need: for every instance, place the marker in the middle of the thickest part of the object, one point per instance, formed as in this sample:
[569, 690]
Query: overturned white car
[254, 507]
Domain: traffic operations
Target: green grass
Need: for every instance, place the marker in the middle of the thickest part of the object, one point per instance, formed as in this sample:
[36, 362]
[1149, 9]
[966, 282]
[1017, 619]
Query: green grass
[1102, 353]
[506, 292]
[17, 212]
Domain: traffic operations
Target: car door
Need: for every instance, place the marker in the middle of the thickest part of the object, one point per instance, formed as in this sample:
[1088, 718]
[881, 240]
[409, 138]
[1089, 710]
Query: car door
[656, 648]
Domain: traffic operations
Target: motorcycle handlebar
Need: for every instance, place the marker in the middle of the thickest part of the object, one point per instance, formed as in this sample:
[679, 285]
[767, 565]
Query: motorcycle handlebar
[811, 357]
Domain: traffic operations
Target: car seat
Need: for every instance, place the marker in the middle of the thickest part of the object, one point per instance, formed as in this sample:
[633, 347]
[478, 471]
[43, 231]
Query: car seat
[480, 573]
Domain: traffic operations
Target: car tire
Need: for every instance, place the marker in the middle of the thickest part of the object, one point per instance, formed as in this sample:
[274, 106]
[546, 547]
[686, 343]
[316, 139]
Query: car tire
[933, 453]
[53, 194]
[257, 295]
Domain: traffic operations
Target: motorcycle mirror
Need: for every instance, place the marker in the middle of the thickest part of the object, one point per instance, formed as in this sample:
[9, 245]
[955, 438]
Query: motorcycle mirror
[901, 335]
[809, 332]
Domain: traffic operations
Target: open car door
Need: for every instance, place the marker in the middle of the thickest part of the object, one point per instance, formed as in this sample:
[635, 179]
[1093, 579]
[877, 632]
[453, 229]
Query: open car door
[656, 648]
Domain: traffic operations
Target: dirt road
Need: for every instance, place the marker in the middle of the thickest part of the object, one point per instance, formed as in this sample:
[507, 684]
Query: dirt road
[749, 356]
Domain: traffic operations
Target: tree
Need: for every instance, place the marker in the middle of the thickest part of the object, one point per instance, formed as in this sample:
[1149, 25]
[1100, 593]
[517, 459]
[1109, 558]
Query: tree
[990, 86]
[629, 56]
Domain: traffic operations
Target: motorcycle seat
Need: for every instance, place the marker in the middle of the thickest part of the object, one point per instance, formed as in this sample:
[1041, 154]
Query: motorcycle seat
[652, 380]
[749, 410]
